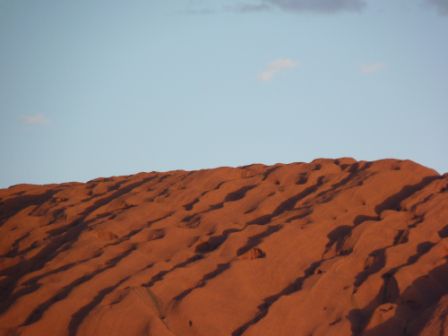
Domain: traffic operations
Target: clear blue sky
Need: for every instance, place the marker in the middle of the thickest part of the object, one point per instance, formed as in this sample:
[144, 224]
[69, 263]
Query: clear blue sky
[93, 88]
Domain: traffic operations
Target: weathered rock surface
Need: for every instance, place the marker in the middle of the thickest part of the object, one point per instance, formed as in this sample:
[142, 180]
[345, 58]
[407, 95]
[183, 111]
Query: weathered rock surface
[333, 247]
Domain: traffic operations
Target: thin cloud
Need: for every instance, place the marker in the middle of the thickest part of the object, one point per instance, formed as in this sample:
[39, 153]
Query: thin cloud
[35, 119]
[298, 6]
[320, 6]
[248, 8]
[275, 67]
[200, 7]
[201, 11]
[371, 68]
[440, 5]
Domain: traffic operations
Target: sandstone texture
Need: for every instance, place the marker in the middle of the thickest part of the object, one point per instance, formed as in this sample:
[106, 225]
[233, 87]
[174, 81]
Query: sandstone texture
[331, 247]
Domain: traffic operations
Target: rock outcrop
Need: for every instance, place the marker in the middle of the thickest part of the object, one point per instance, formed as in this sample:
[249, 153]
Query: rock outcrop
[331, 247]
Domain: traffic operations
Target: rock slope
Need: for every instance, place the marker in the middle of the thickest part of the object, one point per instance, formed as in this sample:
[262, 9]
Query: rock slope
[331, 247]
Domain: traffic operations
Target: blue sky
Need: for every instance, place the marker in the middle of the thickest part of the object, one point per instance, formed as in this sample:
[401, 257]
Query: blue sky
[95, 88]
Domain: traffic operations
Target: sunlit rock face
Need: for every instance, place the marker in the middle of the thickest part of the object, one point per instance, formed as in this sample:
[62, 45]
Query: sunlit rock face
[331, 247]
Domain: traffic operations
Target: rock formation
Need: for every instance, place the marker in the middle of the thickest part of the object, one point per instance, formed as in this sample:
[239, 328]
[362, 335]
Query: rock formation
[331, 247]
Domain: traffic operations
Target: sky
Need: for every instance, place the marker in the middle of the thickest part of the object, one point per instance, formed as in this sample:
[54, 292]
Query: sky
[94, 88]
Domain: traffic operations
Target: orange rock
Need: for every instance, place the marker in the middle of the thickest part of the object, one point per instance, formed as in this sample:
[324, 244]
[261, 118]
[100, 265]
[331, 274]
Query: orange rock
[342, 248]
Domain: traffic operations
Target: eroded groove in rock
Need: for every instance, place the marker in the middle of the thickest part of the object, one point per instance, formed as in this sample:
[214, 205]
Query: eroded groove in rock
[81, 314]
[66, 239]
[159, 276]
[207, 277]
[62, 294]
[263, 308]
